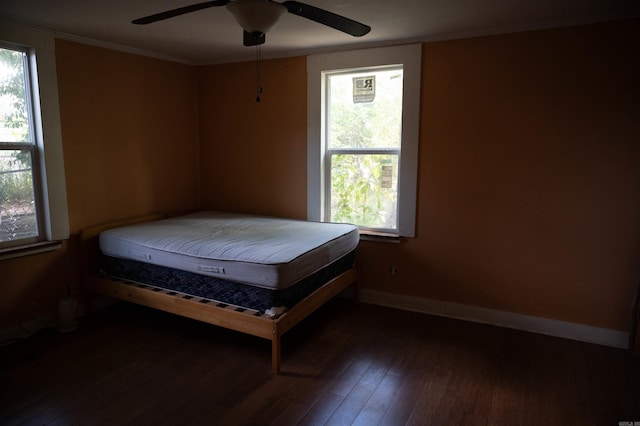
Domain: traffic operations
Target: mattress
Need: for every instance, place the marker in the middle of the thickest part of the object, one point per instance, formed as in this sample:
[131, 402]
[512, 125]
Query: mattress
[266, 252]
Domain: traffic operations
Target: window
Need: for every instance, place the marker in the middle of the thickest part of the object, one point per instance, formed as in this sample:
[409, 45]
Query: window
[19, 193]
[363, 138]
[33, 204]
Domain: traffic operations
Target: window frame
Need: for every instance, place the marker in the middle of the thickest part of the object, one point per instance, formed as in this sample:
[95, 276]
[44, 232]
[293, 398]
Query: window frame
[410, 57]
[28, 145]
[48, 160]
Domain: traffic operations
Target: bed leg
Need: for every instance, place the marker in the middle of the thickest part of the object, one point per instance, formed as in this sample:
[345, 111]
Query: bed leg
[275, 353]
[356, 287]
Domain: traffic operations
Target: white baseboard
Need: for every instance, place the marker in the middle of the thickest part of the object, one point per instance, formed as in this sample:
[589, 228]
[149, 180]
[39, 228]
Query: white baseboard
[31, 326]
[26, 328]
[567, 330]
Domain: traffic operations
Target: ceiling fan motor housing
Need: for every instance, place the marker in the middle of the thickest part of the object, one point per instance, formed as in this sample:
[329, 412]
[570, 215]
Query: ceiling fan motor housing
[256, 16]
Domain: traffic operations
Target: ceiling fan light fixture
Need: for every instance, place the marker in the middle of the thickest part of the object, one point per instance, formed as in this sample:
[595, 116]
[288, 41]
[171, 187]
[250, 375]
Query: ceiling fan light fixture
[256, 16]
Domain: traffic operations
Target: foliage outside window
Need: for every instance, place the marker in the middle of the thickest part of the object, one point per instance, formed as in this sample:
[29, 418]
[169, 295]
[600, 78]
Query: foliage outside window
[19, 197]
[363, 147]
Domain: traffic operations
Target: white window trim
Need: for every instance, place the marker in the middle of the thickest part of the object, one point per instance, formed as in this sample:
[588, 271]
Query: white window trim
[48, 132]
[410, 56]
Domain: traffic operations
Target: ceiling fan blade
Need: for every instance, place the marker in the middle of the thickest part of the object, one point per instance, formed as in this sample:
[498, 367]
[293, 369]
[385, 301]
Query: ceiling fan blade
[177, 12]
[325, 17]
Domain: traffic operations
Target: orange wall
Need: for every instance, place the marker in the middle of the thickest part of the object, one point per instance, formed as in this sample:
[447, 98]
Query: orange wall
[529, 180]
[528, 171]
[129, 129]
[129, 135]
[254, 154]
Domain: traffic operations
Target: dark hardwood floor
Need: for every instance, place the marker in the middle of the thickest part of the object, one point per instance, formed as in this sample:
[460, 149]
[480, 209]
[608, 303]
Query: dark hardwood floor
[346, 364]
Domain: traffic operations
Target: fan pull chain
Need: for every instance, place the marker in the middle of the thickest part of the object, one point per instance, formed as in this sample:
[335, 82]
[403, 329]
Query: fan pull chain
[258, 74]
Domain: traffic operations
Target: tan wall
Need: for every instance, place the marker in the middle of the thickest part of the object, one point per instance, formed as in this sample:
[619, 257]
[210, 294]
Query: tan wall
[528, 172]
[129, 135]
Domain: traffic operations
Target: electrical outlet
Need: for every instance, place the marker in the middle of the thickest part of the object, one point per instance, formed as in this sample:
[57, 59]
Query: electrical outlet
[393, 270]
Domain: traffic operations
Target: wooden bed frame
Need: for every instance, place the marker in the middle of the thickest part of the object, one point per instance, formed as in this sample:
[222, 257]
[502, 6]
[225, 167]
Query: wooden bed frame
[239, 319]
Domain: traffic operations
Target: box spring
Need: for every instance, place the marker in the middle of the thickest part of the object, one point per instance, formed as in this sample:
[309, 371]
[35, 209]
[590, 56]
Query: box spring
[215, 289]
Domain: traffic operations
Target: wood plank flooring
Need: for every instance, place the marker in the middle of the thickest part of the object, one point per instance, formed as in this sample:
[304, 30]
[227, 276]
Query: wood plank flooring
[348, 364]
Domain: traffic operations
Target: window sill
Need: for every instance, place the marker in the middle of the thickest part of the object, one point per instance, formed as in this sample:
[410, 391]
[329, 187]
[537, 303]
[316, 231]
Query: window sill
[29, 249]
[379, 237]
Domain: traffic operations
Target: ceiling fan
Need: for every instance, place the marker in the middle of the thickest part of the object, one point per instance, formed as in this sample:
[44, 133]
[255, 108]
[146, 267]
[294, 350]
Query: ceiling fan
[257, 17]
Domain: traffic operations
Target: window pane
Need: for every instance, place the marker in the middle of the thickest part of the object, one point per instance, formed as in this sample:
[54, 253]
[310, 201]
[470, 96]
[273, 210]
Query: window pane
[364, 189]
[17, 200]
[14, 124]
[365, 109]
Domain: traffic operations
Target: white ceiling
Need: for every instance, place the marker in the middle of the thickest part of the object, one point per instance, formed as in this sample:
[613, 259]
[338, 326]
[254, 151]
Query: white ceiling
[212, 36]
